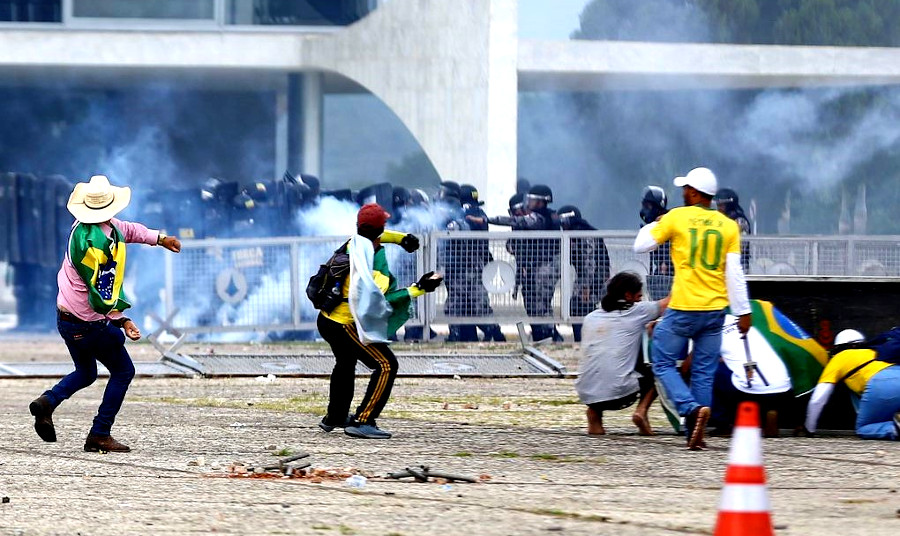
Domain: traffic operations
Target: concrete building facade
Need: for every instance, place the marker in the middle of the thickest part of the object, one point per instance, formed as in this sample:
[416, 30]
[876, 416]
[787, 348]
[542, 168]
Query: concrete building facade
[450, 71]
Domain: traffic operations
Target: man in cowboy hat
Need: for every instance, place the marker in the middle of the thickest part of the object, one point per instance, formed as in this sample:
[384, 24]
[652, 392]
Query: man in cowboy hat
[90, 305]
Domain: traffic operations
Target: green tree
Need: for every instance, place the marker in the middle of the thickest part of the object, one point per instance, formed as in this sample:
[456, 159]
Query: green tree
[644, 20]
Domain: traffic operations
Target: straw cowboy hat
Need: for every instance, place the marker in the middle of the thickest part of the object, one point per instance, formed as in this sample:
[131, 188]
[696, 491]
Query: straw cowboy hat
[97, 201]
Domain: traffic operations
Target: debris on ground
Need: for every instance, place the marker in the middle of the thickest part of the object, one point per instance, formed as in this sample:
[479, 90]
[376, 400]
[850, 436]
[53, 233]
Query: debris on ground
[356, 481]
[423, 473]
[295, 467]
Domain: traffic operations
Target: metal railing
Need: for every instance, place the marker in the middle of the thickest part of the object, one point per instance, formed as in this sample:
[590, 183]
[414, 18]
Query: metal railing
[242, 285]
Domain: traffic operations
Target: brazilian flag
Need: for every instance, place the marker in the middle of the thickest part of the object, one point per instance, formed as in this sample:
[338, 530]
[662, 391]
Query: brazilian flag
[802, 355]
[100, 261]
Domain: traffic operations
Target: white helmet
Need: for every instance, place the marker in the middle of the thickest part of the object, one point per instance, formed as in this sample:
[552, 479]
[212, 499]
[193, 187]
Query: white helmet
[847, 336]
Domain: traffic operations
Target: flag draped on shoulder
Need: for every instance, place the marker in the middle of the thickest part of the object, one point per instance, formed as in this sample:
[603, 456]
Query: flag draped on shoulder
[100, 261]
[378, 307]
[368, 305]
[802, 355]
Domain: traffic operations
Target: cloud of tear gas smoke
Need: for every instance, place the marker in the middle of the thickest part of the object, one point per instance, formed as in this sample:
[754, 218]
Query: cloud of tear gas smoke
[785, 127]
[329, 217]
[599, 150]
[269, 301]
[760, 143]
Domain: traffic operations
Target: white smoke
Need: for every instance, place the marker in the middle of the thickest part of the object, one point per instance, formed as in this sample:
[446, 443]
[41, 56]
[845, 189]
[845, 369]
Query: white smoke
[785, 126]
[328, 217]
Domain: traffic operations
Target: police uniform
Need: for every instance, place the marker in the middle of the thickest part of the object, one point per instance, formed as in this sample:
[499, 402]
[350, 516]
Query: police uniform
[537, 260]
[590, 259]
[660, 271]
[727, 200]
[466, 258]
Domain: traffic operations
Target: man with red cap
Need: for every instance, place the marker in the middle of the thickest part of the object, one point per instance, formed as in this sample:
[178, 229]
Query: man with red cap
[359, 329]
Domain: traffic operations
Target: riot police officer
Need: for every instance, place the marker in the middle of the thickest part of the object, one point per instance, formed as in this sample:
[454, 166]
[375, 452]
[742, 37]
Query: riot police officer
[661, 271]
[452, 256]
[727, 203]
[590, 258]
[466, 295]
[536, 258]
[400, 200]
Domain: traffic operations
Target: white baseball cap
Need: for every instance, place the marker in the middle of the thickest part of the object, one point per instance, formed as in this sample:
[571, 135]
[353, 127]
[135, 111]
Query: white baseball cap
[701, 179]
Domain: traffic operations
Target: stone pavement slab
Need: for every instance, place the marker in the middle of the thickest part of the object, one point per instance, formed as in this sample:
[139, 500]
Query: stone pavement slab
[546, 476]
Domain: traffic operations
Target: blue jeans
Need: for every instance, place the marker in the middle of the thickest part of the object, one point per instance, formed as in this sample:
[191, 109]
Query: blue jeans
[879, 402]
[670, 342]
[88, 343]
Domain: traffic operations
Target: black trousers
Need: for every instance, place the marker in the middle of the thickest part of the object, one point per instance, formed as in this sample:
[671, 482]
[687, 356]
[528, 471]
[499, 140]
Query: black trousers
[348, 349]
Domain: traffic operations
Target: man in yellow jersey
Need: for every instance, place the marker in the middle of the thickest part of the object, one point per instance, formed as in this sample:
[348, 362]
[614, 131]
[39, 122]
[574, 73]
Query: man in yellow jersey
[706, 253]
[359, 329]
[876, 382]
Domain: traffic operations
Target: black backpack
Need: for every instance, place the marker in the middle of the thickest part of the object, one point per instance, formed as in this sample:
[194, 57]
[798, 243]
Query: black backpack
[325, 287]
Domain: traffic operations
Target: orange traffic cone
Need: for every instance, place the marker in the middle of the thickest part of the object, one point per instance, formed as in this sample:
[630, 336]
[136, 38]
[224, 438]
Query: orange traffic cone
[744, 508]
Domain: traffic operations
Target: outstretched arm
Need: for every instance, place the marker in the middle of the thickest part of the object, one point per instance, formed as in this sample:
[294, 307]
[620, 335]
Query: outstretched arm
[817, 403]
[645, 241]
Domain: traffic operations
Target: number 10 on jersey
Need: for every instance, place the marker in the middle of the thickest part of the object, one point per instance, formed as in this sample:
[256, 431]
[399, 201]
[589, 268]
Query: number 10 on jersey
[706, 247]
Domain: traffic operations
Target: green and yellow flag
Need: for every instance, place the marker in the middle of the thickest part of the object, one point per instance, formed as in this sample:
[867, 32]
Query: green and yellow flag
[100, 261]
[802, 355]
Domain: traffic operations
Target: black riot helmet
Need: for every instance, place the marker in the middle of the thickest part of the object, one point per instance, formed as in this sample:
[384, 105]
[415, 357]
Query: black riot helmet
[315, 186]
[568, 216]
[539, 193]
[653, 204]
[400, 197]
[516, 205]
[418, 197]
[448, 189]
[726, 197]
[468, 195]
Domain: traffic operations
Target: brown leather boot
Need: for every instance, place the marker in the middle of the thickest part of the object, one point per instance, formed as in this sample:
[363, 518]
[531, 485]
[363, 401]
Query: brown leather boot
[42, 410]
[96, 443]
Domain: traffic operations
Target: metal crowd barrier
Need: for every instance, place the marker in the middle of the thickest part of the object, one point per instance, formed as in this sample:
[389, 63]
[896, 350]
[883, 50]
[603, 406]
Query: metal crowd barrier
[242, 285]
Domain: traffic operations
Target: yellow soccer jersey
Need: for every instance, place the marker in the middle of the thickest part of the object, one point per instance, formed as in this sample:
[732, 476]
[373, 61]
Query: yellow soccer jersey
[700, 239]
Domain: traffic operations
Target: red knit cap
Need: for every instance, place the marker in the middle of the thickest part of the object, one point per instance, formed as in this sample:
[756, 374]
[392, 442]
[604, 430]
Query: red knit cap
[372, 215]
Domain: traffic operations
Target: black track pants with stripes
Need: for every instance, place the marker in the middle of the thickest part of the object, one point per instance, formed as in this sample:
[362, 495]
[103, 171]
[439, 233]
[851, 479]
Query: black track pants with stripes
[348, 349]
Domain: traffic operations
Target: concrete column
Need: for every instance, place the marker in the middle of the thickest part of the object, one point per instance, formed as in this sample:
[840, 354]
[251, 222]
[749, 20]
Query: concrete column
[295, 129]
[449, 72]
[313, 119]
[304, 118]
[281, 131]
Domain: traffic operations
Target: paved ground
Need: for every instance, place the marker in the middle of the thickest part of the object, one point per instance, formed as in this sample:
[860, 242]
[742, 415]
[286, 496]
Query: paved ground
[545, 475]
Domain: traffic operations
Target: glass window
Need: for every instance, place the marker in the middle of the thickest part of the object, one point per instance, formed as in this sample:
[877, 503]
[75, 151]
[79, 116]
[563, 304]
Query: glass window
[30, 10]
[299, 12]
[144, 9]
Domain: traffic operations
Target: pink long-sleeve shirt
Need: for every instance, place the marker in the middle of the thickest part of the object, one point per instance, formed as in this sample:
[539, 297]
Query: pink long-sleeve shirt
[73, 292]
